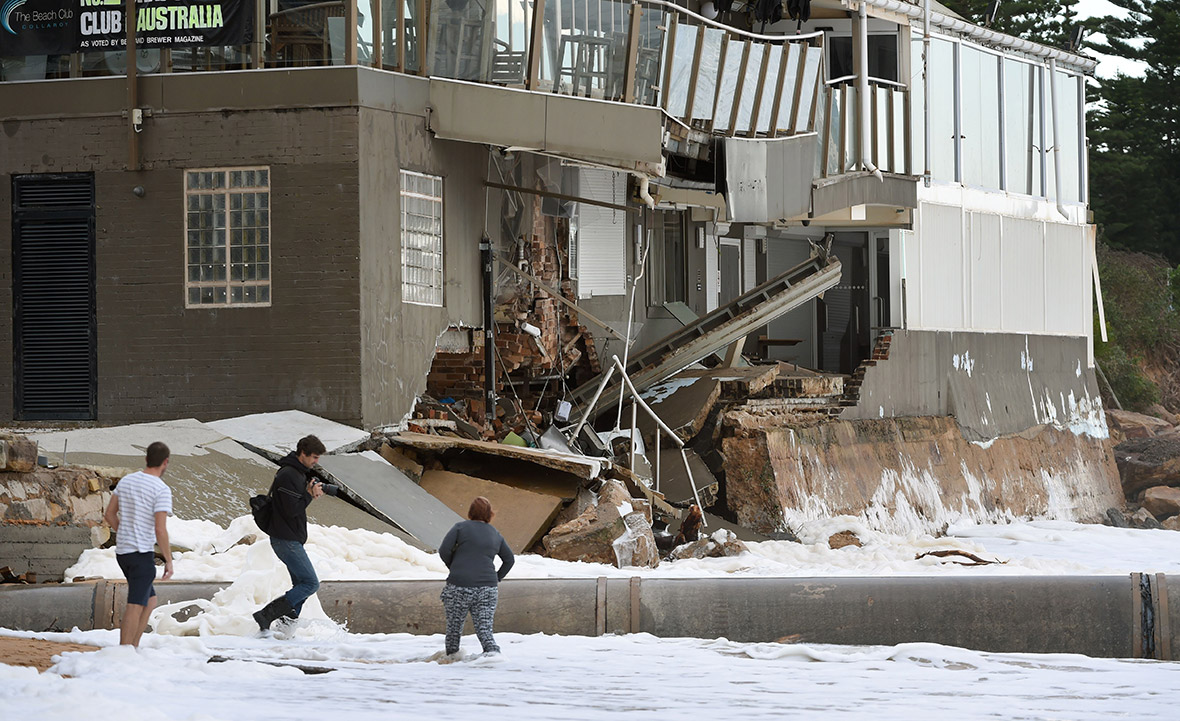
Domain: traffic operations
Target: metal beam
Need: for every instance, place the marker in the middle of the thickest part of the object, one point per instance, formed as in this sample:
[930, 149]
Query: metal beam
[724, 326]
[562, 196]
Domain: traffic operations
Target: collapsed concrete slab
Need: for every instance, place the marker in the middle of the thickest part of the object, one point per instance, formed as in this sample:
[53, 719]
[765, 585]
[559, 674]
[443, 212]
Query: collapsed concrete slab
[386, 492]
[329, 511]
[211, 475]
[683, 403]
[582, 467]
[616, 530]
[275, 434]
[521, 516]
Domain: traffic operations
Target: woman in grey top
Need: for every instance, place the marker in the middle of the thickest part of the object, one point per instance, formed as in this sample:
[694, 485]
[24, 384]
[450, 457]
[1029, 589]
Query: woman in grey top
[468, 550]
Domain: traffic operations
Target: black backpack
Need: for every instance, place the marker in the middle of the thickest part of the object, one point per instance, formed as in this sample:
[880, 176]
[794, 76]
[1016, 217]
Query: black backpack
[262, 507]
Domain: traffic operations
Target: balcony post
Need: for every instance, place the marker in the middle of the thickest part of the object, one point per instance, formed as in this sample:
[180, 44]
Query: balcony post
[535, 42]
[258, 45]
[350, 32]
[632, 54]
[378, 39]
[422, 34]
[401, 36]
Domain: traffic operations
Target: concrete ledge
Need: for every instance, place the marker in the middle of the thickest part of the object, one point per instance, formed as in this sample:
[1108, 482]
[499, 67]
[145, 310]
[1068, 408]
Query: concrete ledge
[1098, 616]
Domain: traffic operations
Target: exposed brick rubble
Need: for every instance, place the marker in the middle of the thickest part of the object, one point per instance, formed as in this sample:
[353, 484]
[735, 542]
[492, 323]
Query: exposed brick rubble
[564, 347]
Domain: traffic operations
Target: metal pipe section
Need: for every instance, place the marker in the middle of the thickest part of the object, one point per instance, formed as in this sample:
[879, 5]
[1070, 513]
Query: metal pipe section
[1056, 138]
[1077, 62]
[926, 174]
[1101, 616]
[862, 89]
[489, 339]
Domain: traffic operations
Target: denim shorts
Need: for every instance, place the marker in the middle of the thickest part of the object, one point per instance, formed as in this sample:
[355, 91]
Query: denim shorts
[140, 570]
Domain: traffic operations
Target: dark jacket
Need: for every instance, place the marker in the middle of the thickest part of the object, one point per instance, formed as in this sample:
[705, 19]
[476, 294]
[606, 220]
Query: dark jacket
[289, 491]
[468, 550]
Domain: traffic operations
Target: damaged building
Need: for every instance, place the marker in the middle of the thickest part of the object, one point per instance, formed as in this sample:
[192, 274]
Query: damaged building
[844, 259]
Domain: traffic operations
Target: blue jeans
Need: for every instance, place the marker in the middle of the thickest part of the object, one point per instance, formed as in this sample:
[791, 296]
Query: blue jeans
[303, 579]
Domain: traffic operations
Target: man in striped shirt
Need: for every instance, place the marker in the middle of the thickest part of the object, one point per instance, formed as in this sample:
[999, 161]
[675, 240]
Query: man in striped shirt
[137, 514]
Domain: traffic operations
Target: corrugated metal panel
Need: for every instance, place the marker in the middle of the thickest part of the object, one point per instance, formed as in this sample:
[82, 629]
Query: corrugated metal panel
[53, 279]
[602, 235]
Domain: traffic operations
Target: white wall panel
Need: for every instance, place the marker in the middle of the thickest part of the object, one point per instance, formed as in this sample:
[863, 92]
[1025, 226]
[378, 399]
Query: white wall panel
[984, 264]
[1023, 275]
[1065, 256]
[941, 229]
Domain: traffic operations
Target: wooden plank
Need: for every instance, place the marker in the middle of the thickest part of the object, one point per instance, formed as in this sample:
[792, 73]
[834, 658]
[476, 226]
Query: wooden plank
[693, 76]
[757, 109]
[535, 45]
[378, 42]
[778, 90]
[632, 53]
[672, 25]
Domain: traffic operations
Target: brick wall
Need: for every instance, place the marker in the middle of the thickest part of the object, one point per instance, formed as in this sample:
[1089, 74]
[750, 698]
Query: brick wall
[563, 343]
[159, 360]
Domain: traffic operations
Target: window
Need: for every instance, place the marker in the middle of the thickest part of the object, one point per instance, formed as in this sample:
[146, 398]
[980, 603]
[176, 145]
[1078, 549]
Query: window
[227, 237]
[882, 56]
[422, 238]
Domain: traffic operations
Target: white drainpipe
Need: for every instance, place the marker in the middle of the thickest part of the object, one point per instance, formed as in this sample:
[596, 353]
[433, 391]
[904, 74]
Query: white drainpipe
[1056, 137]
[862, 89]
[926, 90]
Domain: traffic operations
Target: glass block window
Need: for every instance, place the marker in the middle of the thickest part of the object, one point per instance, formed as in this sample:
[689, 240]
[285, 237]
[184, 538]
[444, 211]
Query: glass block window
[227, 237]
[422, 238]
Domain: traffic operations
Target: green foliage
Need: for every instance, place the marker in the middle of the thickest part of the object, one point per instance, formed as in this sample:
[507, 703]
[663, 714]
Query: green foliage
[1143, 323]
[1134, 130]
[1049, 22]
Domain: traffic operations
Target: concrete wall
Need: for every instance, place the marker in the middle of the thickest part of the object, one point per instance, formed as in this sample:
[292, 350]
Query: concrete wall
[1097, 616]
[398, 339]
[992, 383]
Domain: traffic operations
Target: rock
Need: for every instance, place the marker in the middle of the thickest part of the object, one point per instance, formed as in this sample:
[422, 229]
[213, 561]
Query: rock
[17, 454]
[1147, 462]
[1142, 518]
[842, 539]
[720, 544]
[1172, 524]
[1162, 413]
[1131, 425]
[1115, 517]
[1162, 501]
[612, 531]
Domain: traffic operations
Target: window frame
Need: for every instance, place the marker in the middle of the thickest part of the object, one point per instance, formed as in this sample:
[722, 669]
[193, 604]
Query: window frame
[228, 282]
[438, 293]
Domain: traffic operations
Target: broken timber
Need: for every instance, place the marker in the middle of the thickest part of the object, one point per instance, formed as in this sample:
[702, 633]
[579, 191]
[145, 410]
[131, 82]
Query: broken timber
[722, 327]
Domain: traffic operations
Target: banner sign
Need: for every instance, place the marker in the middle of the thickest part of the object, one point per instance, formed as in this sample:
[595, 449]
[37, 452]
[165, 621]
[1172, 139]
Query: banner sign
[57, 27]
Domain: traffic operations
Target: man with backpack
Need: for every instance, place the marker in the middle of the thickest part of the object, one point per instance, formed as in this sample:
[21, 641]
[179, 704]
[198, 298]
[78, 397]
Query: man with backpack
[293, 489]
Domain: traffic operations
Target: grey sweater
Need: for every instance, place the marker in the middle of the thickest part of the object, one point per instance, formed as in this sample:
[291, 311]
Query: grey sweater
[468, 550]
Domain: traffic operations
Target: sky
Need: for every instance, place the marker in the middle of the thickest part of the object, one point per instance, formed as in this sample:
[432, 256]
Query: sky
[637, 676]
[1107, 66]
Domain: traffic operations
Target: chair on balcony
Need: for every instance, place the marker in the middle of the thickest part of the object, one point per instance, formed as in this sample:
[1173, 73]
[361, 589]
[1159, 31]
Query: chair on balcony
[507, 65]
[299, 35]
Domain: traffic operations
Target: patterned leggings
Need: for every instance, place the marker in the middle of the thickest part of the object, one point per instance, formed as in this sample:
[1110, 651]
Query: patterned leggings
[481, 602]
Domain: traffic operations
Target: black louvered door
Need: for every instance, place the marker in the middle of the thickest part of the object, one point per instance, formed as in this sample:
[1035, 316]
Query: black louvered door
[53, 287]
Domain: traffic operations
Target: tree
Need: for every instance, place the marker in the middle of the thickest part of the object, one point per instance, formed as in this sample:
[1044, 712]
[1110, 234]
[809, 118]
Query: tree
[1135, 131]
[1050, 22]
